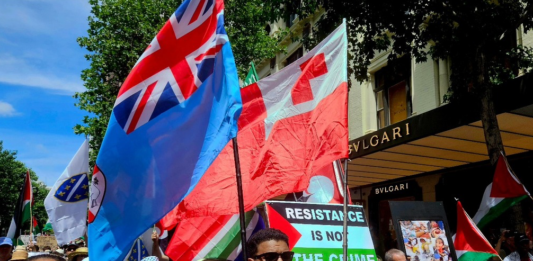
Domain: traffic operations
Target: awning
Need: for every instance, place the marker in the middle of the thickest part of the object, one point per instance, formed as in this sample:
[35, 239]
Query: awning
[446, 137]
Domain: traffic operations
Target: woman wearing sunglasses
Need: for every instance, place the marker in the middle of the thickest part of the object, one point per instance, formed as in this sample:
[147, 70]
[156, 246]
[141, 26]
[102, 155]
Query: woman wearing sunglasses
[269, 245]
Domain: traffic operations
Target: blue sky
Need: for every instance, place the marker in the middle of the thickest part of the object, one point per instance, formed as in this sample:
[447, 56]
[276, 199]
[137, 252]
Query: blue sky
[40, 68]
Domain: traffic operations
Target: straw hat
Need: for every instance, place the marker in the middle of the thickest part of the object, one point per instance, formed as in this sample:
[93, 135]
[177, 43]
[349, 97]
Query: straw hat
[81, 251]
[20, 255]
[20, 248]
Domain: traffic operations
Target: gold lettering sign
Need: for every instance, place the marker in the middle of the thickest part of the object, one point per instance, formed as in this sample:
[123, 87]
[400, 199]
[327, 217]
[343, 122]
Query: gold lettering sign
[372, 143]
[375, 140]
[385, 137]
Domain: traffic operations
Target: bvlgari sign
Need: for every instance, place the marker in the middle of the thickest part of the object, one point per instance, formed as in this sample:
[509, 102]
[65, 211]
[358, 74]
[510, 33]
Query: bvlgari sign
[391, 188]
[379, 138]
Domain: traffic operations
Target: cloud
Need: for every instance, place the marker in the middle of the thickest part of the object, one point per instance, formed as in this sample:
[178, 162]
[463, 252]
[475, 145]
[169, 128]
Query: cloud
[43, 17]
[19, 71]
[7, 110]
[47, 154]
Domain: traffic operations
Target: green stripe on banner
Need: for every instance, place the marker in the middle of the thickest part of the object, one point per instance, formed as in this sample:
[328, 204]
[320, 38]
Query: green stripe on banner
[231, 240]
[237, 239]
[475, 256]
[497, 210]
[334, 254]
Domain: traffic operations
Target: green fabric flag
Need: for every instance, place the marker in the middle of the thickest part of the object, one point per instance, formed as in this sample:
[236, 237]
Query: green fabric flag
[48, 227]
[251, 77]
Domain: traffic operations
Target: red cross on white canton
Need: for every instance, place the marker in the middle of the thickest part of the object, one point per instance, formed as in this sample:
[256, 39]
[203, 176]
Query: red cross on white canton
[174, 65]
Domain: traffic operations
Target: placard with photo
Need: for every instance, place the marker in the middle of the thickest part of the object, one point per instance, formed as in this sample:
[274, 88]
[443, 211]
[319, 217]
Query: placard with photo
[425, 240]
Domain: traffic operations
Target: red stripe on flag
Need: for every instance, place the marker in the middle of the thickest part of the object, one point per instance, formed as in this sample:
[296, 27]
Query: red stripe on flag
[211, 51]
[140, 107]
[468, 236]
[28, 193]
[197, 12]
[505, 183]
[253, 106]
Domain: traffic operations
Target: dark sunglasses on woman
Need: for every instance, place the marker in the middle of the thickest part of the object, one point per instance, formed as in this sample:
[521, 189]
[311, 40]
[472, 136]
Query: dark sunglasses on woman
[274, 256]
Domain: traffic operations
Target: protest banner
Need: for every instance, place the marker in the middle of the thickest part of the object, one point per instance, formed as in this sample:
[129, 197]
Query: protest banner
[50, 241]
[315, 230]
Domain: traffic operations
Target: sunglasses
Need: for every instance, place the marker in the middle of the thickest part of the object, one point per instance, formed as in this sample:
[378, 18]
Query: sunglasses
[273, 256]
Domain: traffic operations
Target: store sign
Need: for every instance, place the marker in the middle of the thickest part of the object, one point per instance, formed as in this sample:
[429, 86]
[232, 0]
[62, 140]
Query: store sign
[379, 139]
[391, 188]
[315, 231]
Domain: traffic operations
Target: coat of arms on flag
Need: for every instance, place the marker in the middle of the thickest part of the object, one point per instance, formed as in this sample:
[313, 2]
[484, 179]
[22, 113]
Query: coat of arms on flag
[97, 193]
[74, 189]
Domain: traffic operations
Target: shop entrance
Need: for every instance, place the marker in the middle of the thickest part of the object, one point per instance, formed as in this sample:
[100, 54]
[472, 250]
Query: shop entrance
[381, 226]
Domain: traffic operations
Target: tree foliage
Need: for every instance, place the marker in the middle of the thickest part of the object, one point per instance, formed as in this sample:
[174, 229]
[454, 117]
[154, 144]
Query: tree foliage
[12, 174]
[119, 32]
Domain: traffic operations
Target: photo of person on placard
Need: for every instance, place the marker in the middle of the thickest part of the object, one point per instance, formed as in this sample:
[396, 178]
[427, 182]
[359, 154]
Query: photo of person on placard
[425, 240]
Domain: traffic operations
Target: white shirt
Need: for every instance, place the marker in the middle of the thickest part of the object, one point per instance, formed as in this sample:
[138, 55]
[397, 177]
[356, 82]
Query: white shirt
[516, 257]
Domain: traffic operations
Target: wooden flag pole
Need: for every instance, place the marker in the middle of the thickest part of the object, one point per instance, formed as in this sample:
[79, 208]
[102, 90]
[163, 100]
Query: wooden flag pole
[241, 197]
[345, 210]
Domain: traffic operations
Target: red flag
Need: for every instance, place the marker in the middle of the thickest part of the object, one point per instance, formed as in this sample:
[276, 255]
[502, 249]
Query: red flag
[293, 123]
[469, 242]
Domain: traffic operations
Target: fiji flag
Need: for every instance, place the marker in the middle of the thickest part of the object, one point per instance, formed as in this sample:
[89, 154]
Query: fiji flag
[174, 113]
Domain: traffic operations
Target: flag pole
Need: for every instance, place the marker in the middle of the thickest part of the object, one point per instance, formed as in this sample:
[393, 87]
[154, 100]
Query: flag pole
[345, 211]
[241, 197]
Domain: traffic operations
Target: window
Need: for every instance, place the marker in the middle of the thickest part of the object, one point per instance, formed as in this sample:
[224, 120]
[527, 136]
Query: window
[393, 95]
[290, 20]
[294, 56]
[273, 63]
[306, 30]
[382, 122]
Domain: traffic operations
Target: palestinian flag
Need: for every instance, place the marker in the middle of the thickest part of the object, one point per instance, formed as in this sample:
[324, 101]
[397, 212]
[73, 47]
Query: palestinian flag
[22, 209]
[212, 237]
[469, 242]
[503, 193]
[36, 229]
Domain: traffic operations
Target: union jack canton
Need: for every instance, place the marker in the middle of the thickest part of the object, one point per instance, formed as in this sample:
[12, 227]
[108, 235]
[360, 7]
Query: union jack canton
[170, 70]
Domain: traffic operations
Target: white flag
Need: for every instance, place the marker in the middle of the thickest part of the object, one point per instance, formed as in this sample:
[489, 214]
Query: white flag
[66, 203]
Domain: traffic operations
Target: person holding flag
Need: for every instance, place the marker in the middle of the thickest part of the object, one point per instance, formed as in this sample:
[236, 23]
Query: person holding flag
[174, 113]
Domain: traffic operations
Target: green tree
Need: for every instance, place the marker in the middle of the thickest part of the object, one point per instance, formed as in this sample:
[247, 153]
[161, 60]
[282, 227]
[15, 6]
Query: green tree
[12, 173]
[473, 34]
[119, 32]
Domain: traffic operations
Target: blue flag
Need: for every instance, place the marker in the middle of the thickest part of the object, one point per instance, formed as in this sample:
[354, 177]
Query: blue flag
[174, 113]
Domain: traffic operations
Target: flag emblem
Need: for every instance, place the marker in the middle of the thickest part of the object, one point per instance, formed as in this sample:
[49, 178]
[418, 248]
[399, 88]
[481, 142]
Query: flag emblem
[97, 193]
[171, 69]
[74, 189]
[138, 251]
